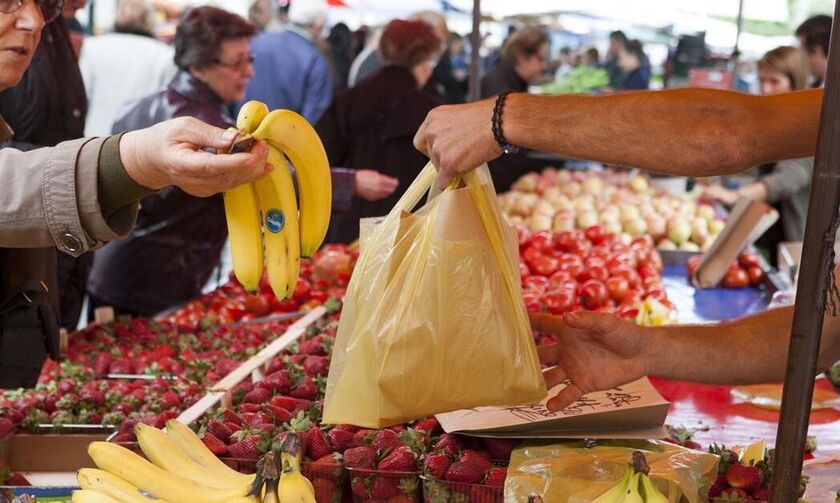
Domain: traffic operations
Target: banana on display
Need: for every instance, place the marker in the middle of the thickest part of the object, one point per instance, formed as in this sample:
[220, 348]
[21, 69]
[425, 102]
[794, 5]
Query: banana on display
[293, 486]
[264, 221]
[635, 486]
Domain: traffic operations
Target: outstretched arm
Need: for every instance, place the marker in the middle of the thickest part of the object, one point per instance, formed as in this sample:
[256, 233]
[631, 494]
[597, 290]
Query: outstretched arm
[691, 132]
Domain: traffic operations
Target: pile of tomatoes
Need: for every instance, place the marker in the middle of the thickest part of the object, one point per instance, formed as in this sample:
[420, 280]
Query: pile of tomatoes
[743, 272]
[590, 270]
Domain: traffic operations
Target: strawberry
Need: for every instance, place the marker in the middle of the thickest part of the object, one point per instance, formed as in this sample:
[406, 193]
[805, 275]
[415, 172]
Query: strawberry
[383, 488]
[385, 441]
[279, 414]
[316, 365]
[102, 363]
[278, 382]
[748, 478]
[158, 421]
[735, 494]
[246, 448]
[479, 458]
[359, 457]
[467, 472]
[307, 389]
[761, 494]
[17, 479]
[293, 405]
[400, 460]
[258, 395]
[215, 445]
[340, 440]
[251, 408]
[259, 420]
[347, 427]
[121, 366]
[318, 445]
[363, 437]
[219, 430]
[312, 346]
[718, 486]
[436, 465]
[500, 448]
[359, 487]
[7, 427]
[449, 445]
[169, 399]
[231, 417]
[496, 477]
[324, 489]
[429, 425]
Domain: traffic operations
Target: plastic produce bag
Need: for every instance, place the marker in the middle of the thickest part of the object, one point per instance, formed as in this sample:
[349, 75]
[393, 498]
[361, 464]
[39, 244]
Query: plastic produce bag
[573, 472]
[433, 317]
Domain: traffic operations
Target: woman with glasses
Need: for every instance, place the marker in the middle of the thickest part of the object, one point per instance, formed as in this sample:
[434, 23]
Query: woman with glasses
[369, 128]
[81, 193]
[178, 238]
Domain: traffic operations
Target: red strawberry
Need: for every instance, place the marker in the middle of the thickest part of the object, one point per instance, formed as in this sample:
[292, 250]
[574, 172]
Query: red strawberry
[219, 430]
[466, 472]
[340, 440]
[324, 489]
[718, 486]
[363, 437]
[496, 477]
[735, 493]
[359, 457]
[231, 417]
[347, 427]
[385, 441]
[762, 494]
[400, 460]
[258, 395]
[480, 458]
[312, 346]
[436, 465]
[748, 478]
[293, 405]
[245, 449]
[121, 366]
[92, 396]
[158, 421]
[316, 365]
[500, 448]
[251, 408]
[17, 479]
[101, 364]
[449, 445]
[215, 445]
[280, 414]
[359, 487]
[169, 399]
[308, 389]
[383, 488]
[278, 382]
[6, 427]
[429, 425]
[260, 419]
[318, 445]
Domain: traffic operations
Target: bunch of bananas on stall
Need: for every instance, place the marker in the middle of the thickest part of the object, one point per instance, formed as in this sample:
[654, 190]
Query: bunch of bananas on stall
[264, 215]
[178, 468]
[635, 486]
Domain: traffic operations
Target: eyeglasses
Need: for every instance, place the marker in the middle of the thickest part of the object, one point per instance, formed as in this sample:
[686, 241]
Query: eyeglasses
[50, 9]
[236, 64]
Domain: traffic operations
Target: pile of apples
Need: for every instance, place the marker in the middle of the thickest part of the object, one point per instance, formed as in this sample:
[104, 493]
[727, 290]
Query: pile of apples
[623, 204]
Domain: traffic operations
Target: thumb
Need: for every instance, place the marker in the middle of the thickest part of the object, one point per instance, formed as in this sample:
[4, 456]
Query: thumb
[598, 323]
[200, 133]
[546, 323]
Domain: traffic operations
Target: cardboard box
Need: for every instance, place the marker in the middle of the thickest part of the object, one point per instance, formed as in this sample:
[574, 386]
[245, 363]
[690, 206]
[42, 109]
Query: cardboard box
[48, 453]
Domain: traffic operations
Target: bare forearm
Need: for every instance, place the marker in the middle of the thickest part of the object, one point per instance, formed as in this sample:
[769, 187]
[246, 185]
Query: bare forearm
[749, 350]
[692, 132]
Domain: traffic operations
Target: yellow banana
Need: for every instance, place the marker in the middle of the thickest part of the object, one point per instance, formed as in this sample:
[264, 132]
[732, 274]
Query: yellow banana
[293, 487]
[165, 453]
[99, 480]
[632, 494]
[276, 196]
[135, 470]
[616, 493]
[250, 116]
[88, 496]
[650, 493]
[297, 139]
[188, 441]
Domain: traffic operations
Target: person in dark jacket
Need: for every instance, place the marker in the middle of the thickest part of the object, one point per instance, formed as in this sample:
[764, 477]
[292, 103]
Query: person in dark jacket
[617, 42]
[523, 60]
[370, 127]
[178, 238]
[635, 67]
[46, 108]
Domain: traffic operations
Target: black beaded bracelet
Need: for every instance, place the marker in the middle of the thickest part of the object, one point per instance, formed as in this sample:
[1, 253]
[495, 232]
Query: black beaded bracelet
[507, 148]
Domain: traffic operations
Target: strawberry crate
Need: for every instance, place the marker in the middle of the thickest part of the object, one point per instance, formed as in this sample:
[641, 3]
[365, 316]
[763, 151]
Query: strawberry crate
[370, 486]
[444, 491]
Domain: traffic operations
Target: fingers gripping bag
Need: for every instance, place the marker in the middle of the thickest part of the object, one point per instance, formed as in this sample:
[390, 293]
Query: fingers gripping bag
[433, 317]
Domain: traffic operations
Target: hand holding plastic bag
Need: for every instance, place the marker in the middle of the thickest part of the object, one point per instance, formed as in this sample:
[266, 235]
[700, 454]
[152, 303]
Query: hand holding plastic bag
[433, 318]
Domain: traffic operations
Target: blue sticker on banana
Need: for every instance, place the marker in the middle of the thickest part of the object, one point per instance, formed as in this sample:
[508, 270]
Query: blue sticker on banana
[275, 221]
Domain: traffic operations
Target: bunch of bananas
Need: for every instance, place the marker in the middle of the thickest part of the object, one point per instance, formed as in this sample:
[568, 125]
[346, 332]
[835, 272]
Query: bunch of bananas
[178, 468]
[265, 213]
[292, 486]
[634, 487]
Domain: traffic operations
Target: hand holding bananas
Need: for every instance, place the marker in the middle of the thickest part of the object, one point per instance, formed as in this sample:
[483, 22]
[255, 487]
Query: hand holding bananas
[170, 153]
[264, 215]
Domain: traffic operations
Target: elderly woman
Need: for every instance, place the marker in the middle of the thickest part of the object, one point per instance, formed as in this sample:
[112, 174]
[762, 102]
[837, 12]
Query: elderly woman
[370, 127]
[178, 238]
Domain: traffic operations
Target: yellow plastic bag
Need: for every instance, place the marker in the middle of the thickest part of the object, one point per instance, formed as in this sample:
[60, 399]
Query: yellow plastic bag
[433, 318]
[572, 472]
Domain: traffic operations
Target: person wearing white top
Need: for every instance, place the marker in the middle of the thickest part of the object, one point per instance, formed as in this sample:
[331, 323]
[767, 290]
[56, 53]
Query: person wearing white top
[123, 66]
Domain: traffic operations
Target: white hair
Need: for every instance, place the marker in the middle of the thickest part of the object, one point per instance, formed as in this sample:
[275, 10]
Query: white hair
[308, 12]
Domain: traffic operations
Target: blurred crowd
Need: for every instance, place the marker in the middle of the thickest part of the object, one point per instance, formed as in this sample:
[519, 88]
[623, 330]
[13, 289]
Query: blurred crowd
[366, 91]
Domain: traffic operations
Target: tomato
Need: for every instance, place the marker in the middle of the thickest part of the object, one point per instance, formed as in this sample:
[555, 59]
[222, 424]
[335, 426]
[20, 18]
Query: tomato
[318, 295]
[530, 255]
[627, 312]
[532, 302]
[257, 305]
[545, 266]
[535, 284]
[646, 271]
[572, 241]
[692, 264]
[595, 271]
[644, 240]
[651, 282]
[756, 275]
[571, 264]
[630, 275]
[599, 253]
[303, 290]
[655, 261]
[559, 302]
[593, 294]
[656, 292]
[618, 288]
[568, 285]
[749, 259]
[596, 234]
[524, 237]
[623, 258]
[543, 241]
[524, 272]
[288, 306]
[736, 277]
